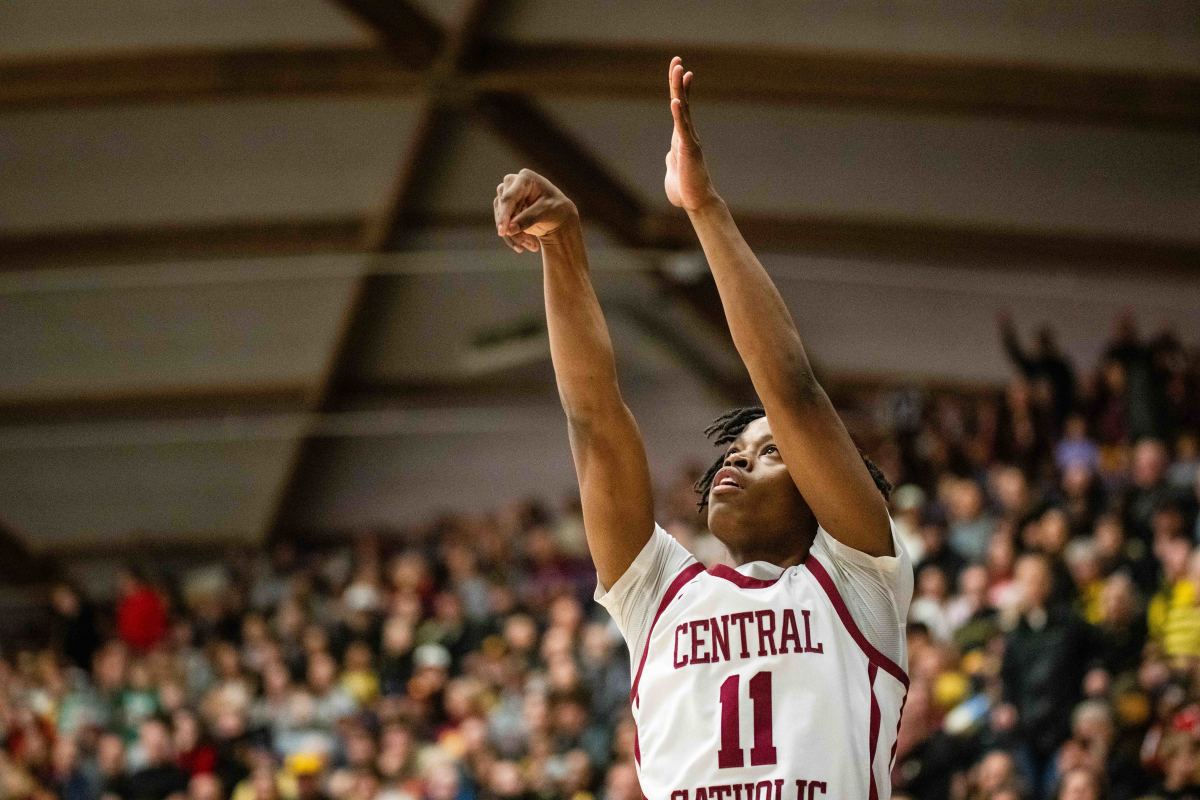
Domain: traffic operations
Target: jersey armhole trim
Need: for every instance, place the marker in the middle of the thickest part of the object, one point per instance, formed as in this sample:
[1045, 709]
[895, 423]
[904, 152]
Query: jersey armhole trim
[873, 655]
[685, 575]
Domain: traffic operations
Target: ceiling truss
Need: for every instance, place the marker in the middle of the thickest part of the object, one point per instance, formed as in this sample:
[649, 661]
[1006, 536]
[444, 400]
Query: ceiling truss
[461, 77]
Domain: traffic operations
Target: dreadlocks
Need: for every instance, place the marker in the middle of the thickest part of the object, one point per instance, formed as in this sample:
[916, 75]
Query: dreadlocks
[727, 427]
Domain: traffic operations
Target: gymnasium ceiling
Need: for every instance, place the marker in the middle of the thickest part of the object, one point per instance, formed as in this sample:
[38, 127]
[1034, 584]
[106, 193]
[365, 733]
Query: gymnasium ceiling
[248, 284]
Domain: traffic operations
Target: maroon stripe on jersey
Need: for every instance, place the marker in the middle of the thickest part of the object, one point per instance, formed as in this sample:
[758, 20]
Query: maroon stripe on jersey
[685, 575]
[874, 740]
[896, 739]
[742, 581]
[874, 656]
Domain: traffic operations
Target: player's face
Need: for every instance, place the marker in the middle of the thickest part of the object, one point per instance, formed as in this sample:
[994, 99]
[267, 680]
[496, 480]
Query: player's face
[753, 505]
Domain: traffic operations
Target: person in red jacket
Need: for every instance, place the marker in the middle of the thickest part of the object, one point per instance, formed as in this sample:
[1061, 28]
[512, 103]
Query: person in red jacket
[141, 612]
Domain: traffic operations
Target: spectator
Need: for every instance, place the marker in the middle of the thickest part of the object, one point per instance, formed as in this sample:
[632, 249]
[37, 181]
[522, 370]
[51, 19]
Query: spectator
[1178, 754]
[971, 615]
[907, 502]
[1075, 449]
[331, 702]
[1121, 631]
[1145, 380]
[1081, 783]
[931, 603]
[204, 786]
[159, 777]
[995, 773]
[970, 524]
[68, 779]
[75, 631]
[1148, 490]
[1045, 654]
[938, 551]
[1046, 363]
[141, 613]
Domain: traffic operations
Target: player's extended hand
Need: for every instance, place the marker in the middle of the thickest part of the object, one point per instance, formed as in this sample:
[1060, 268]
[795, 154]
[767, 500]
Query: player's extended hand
[527, 206]
[687, 182]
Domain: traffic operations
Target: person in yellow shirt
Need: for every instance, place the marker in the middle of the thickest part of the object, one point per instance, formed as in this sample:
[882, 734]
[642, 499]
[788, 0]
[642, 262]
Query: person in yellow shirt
[1173, 614]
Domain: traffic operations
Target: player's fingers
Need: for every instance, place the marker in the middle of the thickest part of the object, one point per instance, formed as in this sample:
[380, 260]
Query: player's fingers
[496, 212]
[671, 75]
[500, 202]
[521, 242]
[685, 98]
[502, 211]
[677, 114]
[683, 122]
[517, 187]
[529, 216]
[677, 81]
[499, 216]
[512, 199]
[528, 242]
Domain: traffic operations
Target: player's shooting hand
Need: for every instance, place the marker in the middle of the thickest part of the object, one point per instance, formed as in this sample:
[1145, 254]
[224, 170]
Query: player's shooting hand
[527, 207]
[687, 182]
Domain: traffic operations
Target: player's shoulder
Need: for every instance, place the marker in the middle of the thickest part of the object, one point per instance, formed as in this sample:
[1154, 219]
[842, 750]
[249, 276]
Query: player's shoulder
[828, 546]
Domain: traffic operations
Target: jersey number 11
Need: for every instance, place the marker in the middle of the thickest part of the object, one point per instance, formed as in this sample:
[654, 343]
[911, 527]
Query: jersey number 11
[732, 754]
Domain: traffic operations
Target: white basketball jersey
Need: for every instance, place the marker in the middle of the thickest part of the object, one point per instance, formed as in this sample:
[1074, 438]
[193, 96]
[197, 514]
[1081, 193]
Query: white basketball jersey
[752, 689]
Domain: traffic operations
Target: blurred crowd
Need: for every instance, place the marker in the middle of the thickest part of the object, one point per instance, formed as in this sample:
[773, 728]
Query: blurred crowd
[1054, 635]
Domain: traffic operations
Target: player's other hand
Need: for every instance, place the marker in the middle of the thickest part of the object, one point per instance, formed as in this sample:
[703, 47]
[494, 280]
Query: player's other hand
[527, 207]
[687, 182]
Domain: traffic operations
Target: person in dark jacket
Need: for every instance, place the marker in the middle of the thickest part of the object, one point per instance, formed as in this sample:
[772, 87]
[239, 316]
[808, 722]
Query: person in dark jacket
[1046, 653]
[1146, 378]
[1046, 363]
[74, 626]
[160, 777]
[1121, 633]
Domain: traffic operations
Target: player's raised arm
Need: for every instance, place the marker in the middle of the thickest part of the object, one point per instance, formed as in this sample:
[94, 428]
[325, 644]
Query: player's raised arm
[610, 458]
[819, 454]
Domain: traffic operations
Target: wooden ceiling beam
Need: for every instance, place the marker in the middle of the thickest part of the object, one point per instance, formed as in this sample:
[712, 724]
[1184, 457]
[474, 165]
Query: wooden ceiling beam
[867, 238]
[933, 85]
[907, 84]
[918, 241]
[413, 37]
[185, 402]
[182, 241]
[192, 76]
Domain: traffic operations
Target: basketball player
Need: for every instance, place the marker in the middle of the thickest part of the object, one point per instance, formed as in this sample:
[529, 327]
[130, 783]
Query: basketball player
[782, 678]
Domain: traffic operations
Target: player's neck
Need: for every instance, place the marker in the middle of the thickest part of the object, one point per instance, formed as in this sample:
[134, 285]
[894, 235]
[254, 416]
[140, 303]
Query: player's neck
[783, 559]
